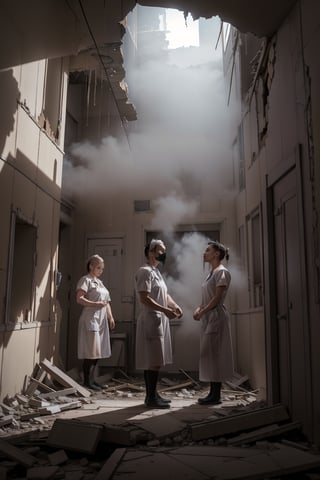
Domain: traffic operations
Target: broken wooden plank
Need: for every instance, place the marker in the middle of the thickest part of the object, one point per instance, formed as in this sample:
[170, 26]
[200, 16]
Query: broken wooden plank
[70, 405]
[64, 379]
[167, 381]
[125, 384]
[49, 410]
[234, 386]
[116, 387]
[190, 378]
[300, 446]
[111, 464]
[32, 387]
[42, 385]
[124, 374]
[7, 409]
[58, 393]
[22, 399]
[175, 387]
[24, 417]
[246, 393]
[238, 379]
[240, 422]
[38, 402]
[6, 420]
[75, 435]
[16, 454]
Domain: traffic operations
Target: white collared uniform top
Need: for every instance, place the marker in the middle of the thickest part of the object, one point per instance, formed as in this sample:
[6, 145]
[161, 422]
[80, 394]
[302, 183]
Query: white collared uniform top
[93, 328]
[153, 339]
[216, 358]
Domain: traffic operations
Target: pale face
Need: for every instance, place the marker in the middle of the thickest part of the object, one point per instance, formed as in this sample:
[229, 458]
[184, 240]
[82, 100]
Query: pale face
[96, 269]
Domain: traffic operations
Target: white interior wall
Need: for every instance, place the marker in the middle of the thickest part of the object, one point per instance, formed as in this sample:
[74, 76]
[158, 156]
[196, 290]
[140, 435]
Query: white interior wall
[30, 179]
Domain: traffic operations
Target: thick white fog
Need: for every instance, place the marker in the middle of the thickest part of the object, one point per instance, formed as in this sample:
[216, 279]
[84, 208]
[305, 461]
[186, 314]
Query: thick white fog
[182, 125]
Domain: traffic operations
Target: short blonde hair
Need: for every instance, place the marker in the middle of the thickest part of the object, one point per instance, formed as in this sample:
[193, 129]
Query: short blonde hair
[94, 260]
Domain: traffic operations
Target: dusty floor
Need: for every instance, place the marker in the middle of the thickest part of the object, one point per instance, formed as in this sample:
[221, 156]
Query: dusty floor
[140, 443]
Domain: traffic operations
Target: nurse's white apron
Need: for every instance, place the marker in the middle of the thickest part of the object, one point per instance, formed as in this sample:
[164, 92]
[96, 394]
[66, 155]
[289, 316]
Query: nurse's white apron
[153, 338]
[93, 328]
[216, 358]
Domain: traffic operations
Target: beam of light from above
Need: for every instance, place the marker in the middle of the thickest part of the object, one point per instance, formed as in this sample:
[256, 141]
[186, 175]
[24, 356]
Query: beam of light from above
[181, 32]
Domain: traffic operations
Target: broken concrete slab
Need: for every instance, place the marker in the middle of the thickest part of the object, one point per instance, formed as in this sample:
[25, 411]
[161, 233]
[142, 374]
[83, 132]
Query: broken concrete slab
[57, 458]
[42, 473]
[112, 433]
[239, 422]
[17, 454]
[223, 463]
[118, 435]
[75, 435]
[161, 426]
[265, 432]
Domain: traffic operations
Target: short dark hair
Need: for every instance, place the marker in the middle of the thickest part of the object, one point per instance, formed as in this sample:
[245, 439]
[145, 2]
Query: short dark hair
[146, 249]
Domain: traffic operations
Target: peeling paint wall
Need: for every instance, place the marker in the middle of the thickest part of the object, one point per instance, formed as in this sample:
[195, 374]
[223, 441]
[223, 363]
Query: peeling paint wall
[278, 119]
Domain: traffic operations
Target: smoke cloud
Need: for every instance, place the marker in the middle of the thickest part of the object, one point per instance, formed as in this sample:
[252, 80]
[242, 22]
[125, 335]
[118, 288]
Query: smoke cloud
[179, 139]
[170, 211]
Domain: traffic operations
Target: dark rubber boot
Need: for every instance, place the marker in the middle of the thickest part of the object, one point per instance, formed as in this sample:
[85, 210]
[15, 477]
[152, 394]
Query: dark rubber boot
[88, 370]
[214, 396]
[165, 400]
[146, 381]
[152, 399]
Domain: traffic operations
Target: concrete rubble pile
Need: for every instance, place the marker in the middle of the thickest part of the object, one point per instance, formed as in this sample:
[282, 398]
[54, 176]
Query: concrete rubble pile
[57, 429]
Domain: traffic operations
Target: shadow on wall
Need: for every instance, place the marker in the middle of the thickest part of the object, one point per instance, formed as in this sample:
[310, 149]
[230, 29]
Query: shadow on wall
[34, 198]
[9, 98]
[29, 203]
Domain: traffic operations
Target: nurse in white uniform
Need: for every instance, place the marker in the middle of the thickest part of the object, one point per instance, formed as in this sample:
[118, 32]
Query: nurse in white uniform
[95, 320]
[216, 359]
[156, 307]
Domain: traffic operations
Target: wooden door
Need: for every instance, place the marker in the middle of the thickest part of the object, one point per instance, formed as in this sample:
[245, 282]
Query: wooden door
[290, 294]
[110, 249]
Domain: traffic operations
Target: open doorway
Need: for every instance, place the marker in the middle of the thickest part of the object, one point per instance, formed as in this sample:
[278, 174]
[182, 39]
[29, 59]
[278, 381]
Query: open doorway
[20, 280]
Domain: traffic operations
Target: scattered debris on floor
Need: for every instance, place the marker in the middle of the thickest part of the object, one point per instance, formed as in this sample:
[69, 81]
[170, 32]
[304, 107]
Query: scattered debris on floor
[57, 429]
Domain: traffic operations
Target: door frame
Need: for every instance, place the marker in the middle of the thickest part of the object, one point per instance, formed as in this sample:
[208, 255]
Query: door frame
[109, 237]
[294, 162]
